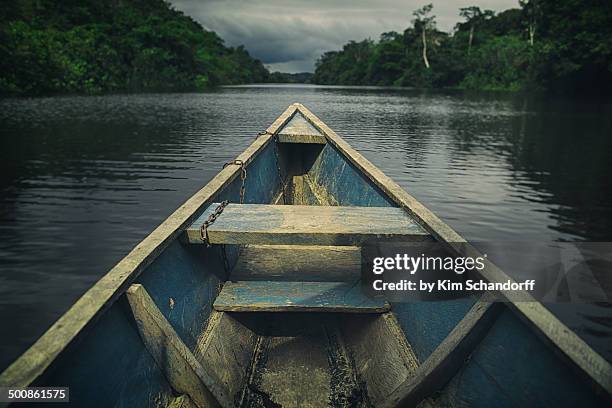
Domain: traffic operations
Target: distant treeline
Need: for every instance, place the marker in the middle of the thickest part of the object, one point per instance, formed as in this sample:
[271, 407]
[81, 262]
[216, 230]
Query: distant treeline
[297, 78]
[557, 45]
[92, 46]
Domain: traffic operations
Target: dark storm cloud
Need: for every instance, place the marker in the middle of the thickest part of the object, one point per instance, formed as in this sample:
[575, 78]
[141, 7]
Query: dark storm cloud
[289, 35]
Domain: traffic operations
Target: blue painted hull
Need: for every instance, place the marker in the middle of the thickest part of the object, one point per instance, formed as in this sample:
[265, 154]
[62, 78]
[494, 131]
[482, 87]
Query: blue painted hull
[108, 364]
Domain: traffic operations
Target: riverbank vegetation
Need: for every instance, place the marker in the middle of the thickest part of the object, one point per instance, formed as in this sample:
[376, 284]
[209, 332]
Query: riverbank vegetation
[90, 46]
[290, 78]
[563, 46]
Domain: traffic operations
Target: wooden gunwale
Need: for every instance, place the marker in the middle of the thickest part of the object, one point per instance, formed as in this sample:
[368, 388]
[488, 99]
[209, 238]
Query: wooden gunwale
[33, 363]
[183, 371]
[547, 325]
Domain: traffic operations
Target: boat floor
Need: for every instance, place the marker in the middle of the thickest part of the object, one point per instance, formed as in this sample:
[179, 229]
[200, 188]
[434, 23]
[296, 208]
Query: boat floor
[300, 363]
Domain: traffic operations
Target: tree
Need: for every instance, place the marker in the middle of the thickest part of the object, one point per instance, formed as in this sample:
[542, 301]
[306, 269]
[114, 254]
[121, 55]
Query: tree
[473, 16]
[563, 46]
[386, 61]
[573, 44]
[348, 66]
[424, 22]
[89, 46]
[532, 12]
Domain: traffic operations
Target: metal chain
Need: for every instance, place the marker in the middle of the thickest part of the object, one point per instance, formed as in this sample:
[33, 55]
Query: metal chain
[211, 219]
[243, 174]
[213, 216]
[263, 132]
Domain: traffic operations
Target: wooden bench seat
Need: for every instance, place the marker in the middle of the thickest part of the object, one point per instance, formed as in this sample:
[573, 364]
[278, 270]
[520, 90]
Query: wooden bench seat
[306, 225]
[266, 296]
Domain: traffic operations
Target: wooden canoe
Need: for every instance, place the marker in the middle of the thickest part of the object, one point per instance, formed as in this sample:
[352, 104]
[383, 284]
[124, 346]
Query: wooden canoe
[180, 323]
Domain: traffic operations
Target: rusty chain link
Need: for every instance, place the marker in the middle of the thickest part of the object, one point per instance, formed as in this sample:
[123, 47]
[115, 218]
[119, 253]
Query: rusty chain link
[217, 211]
[211, 219]
[263, 132]
[243, 175]
[213, 216]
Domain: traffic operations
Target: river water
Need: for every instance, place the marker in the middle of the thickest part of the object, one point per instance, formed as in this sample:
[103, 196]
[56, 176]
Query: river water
[84, 179]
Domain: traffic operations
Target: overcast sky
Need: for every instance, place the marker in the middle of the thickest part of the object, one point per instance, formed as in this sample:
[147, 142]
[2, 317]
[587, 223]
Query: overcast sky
[289, 35]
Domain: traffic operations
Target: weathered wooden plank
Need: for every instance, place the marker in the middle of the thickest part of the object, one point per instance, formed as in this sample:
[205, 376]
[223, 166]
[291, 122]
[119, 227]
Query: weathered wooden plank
[350, 389]
[382, 356]
[320, 194]
[303, 191]
[298, 125]
[183, 371]
[448, 357]
[301, 362]
[300, 138]
[182, 401]
[298, 263]
[279, 198]
[226, 349]
[261, 296]
[306, 225]
[105, 292]
[546, 324]
[299, 194]
[293, 369]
